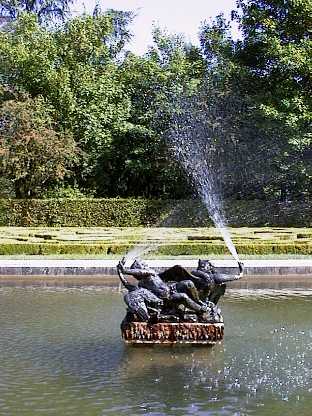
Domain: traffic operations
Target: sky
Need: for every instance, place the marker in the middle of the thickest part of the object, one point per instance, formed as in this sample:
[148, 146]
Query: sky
[177, 16]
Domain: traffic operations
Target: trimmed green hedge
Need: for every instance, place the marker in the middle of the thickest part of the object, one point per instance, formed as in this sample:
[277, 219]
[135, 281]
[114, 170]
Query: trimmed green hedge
[143, 212]
[81, 212]
[196, 249]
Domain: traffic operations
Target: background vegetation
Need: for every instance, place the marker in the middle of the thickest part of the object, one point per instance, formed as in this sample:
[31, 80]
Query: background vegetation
[117, 212]
[161, 241]
[80, 116]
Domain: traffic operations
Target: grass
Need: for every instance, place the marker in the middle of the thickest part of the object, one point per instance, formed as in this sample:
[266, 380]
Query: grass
[101, 242]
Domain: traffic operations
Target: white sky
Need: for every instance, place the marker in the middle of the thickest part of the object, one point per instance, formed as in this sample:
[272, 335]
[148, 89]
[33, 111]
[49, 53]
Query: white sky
[177, 16]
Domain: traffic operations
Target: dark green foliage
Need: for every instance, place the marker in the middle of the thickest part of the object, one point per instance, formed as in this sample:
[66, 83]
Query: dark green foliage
[143, 212]
[5, 211]
[72, 71]
[117, 107]
[32, 153]
[82, 212]
[274, 68]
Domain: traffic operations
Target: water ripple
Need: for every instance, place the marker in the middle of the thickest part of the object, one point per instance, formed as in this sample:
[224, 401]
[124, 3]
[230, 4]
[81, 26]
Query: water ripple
[61, 354]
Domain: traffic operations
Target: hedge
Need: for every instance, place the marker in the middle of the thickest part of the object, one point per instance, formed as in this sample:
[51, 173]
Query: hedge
[143, 212]
[173, 249]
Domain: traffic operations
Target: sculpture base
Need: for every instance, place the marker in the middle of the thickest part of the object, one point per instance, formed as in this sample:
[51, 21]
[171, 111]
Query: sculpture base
[172, 333]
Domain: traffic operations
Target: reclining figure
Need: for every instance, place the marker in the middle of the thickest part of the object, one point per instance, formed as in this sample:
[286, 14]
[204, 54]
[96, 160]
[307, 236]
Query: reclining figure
[172, 294]
[209, 283]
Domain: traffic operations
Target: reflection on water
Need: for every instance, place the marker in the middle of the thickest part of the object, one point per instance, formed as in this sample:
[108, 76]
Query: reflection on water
[61, 354]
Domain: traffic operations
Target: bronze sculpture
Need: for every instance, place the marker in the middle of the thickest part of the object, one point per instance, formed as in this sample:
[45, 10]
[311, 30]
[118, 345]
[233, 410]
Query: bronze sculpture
[175, 305]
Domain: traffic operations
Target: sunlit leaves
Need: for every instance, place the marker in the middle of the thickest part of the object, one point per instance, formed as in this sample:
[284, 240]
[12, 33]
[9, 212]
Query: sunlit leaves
[32, 153]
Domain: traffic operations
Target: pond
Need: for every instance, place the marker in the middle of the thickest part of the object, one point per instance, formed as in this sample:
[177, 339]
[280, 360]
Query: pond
[61, 354]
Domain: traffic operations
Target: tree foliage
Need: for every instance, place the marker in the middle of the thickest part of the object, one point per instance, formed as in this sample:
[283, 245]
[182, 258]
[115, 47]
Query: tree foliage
[32, 153]
[141, 164]
[45, 10]
[72, 69]
[118, 107]
[275, 54]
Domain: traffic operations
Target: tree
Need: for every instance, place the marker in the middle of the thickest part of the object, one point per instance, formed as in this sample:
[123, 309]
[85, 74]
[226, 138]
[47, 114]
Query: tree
[267, 73]
[45, 10]
[71, 67]
[32, 154]
[121, 33]
[275, 54]
[145, 166]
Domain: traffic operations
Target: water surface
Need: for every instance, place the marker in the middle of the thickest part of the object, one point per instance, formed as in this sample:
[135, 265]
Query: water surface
[61, 354]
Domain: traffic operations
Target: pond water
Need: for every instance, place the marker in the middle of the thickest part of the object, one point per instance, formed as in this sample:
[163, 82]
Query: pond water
[61, 354]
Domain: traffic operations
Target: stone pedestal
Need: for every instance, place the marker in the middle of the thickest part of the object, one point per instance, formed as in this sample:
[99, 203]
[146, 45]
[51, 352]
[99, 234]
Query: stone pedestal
[172, 333]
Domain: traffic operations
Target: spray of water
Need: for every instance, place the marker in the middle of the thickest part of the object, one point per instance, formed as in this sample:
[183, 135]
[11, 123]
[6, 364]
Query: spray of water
[142, 249]
[145, 246]
[191, 141]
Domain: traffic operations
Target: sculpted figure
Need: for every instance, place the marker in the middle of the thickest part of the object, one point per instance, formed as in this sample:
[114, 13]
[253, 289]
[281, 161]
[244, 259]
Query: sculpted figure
[172, 294]
[181, 304]
[210, 283]
[141, 303]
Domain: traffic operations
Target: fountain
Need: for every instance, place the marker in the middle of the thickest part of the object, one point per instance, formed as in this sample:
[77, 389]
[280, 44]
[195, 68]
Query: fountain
[175, 306]
[193, 143]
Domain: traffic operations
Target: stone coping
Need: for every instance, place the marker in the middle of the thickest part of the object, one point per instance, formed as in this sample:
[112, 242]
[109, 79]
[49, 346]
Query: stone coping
[56, 267]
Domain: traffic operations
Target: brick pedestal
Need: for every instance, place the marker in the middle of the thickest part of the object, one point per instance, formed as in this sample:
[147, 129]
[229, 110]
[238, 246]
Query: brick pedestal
[172, 333]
